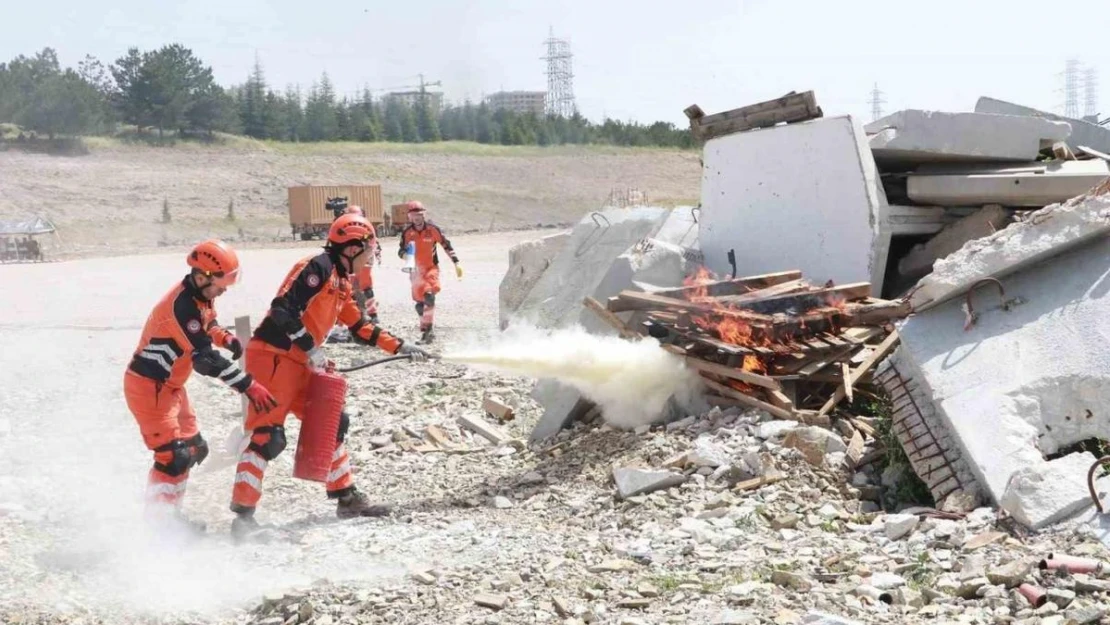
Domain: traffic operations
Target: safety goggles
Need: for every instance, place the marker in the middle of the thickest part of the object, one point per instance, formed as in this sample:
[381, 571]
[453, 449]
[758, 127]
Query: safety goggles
[223, 279]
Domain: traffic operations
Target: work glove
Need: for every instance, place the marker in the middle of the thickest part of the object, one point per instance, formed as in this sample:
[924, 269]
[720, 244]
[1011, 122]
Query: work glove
[318, 361]
[458, 271]
[261, 399]
[234, 345]
[413, 352]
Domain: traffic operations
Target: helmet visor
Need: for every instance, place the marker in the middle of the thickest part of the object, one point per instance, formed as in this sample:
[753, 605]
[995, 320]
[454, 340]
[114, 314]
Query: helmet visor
[225, 279]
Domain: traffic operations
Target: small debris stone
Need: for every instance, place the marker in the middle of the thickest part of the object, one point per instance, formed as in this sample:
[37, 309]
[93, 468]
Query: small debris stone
[634, 604]
[899, 525]
[791, 580]
[647, 590]
[1061, 596]
[631, 481]
[494, 602]
[1010, 575]
[425, 578]
[1086, 614]
[735, 617]
[612, 566]
[982, 540]
[785, 521]
[562, 608]
[501, 503]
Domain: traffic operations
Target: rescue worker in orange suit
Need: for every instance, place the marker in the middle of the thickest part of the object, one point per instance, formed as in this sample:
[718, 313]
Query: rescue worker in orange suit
[364, 281]
[425, 235]
[181, 336]
[286, 348]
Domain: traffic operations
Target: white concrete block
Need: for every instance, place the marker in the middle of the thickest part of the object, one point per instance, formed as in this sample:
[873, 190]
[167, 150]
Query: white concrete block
[801, 196]
[1049, 231]
[555, 301]
[1082, 132]
[920, 260]
[1037, 184]
[1024, 383]
[1049, 492]
[914, 136]
[527, 262]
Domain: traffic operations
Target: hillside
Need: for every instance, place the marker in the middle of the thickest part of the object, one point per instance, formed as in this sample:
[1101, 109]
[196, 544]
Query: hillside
[110, 201]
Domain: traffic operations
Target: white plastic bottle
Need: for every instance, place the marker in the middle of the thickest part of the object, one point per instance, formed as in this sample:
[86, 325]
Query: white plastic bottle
[410, 257]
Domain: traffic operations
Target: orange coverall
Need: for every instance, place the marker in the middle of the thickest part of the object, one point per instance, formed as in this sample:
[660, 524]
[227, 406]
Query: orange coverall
[314, 295]
[179, 337]
[425, 278]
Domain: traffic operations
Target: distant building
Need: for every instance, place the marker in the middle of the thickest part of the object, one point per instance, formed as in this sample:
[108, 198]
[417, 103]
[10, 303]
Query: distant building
[521, 102]
[412, 98]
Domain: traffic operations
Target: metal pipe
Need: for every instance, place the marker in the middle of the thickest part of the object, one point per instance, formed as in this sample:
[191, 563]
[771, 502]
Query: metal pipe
[1036, 596]
[374, 363]
[1091, 482]
[1072, 564]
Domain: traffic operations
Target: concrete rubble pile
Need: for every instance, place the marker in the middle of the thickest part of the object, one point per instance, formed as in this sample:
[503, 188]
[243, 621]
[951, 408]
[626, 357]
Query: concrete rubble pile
[985, 234]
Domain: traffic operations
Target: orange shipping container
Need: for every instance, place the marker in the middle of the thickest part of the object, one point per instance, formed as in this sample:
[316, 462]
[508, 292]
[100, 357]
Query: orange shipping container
[309, 216]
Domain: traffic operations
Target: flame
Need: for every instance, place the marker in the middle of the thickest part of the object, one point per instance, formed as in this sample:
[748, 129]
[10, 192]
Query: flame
[753, 364]
[699, 282]
[836, 300]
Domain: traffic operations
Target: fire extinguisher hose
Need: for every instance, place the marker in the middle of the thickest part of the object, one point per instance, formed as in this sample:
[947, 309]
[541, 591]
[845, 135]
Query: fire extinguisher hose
[372, 363]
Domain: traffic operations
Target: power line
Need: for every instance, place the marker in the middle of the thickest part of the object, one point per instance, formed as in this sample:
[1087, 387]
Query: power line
[560, 77]
[876, 103]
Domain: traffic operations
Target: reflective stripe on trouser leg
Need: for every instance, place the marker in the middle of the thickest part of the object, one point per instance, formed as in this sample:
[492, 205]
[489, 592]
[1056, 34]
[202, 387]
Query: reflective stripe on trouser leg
[165, 489]
[248, 479]
[339, 477]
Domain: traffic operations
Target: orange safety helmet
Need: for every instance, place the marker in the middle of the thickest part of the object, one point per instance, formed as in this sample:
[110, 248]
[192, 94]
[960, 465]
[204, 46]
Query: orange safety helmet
[217, 260]
[415, 206]
[350, 228]
[355, 210]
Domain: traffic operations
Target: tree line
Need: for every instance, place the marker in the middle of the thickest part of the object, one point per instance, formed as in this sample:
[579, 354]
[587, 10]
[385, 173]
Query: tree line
[170, 90]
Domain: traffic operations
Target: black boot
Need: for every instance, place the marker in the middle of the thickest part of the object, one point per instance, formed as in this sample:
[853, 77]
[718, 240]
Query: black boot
[358, 504]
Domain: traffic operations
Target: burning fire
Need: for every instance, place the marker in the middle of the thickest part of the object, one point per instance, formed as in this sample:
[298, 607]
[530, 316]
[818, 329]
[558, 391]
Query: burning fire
[699, 281]
[727, 328]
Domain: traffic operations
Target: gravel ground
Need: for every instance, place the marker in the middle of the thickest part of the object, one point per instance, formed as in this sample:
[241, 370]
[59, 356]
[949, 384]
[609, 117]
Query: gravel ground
[482, 533]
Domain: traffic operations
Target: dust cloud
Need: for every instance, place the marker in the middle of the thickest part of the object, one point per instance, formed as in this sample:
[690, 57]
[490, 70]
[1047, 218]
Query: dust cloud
[632, 381]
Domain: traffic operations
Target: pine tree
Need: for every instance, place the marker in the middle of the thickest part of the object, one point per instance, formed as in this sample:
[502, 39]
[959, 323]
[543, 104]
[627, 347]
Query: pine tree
[426, 124]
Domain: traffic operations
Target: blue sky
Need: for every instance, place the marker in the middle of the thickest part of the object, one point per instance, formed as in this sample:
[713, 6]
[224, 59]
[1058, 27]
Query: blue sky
[642, 60]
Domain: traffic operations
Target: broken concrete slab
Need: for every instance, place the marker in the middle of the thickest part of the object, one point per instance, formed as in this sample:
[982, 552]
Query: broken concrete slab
[915, 136]
[804, 195]
[527, 262]
[1047, 232]
[1082, 132]
[1029, 185]
[632, 481]
[917, 220]
[555, 300]
[1049, 492]
[919, 261]
[1026, 380]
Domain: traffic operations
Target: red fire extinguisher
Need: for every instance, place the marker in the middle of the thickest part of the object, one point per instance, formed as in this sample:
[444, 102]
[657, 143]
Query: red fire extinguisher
[320, 426]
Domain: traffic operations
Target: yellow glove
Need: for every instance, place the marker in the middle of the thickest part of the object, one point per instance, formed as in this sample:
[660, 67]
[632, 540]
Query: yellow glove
[458, 271]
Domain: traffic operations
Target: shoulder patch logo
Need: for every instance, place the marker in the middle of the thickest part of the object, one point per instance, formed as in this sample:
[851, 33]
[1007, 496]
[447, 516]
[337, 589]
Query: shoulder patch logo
[313, 281]
[193, 326]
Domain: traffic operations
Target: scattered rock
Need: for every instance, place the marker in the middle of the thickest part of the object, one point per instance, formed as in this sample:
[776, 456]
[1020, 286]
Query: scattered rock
[425, 578]
[1087, 584]
[1061, 597]
[634, 604]
[1086, 614]
[562, 608]
[632, 482]
[647, 590]
[887, 581]
[612, 566]
[982, 540]
[706, 453]
[785, 521]
[734, 617]
[532, 477]
[820, 618]
[899, 525]
[1010, 575]
[814, 443]
[794, 581]
[908, 596]
[494, 602]
[501, 503]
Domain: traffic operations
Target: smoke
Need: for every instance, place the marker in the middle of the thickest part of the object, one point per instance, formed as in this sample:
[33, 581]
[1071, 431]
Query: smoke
[631, 381]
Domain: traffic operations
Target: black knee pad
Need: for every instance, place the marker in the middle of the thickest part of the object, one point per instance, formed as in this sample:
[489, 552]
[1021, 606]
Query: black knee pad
[429, 299]
[198, 448]
[344, 424]
[368, 293]
[272, 447]
[420, 308]
[180, 462]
